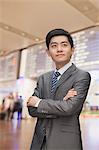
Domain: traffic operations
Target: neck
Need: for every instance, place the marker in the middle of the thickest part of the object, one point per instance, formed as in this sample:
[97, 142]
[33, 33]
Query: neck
[59, 66]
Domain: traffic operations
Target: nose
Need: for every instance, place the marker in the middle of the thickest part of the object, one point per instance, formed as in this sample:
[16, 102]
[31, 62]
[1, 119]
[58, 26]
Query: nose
[59, 48]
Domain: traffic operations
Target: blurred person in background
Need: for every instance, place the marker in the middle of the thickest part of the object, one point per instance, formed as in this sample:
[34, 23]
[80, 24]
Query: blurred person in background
[2, 110]
[58, 99]
[18, 105]
[9, 105]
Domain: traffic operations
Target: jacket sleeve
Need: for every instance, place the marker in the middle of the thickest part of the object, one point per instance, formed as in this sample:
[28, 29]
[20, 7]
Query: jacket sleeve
[33, 110]
[72, 105]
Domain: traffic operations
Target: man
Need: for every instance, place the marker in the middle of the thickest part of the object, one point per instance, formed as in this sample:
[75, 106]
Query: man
[58, 98]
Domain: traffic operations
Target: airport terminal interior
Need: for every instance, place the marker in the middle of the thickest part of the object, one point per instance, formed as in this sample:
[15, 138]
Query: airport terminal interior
[23, 58]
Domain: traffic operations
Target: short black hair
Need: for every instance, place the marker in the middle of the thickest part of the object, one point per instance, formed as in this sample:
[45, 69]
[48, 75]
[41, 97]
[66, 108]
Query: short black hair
[58, 32]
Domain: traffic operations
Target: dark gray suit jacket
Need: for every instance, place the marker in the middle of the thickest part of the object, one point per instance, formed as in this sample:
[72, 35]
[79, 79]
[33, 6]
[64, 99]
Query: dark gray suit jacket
[58, 119]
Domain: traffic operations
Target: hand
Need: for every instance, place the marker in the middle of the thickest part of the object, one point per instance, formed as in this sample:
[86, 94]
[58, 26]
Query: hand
[71, 93]
[33, 101]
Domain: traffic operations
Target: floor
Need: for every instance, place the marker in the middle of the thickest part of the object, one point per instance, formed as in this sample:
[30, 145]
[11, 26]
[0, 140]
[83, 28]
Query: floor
[90, 132]
[17, 134]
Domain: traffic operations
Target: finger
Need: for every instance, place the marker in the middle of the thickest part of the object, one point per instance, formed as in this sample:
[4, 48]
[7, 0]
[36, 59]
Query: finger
[73, 92]
[30, 98]
[70, 95]
[27, 103]
[65, 98]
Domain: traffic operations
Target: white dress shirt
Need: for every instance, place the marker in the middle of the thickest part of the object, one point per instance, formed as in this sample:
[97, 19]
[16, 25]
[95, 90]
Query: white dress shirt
[63, 69]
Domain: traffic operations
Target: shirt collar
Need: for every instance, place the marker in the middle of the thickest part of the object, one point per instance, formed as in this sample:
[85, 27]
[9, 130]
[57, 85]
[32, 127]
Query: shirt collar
[64, 68]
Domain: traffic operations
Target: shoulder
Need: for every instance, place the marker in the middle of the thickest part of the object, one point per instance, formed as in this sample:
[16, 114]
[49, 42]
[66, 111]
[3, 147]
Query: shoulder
[45, 75]
[82, 74]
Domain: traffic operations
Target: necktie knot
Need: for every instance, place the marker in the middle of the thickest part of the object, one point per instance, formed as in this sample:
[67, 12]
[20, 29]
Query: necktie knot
[56, 74]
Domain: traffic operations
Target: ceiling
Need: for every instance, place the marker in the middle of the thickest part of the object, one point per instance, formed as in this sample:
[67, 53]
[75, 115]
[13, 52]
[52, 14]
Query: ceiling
[25, 22]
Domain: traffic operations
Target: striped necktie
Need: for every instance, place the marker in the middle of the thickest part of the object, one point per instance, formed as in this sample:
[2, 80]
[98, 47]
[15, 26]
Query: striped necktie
[54, 80]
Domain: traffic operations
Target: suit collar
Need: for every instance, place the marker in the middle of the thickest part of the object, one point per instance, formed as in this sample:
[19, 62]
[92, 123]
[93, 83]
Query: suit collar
[64, 68]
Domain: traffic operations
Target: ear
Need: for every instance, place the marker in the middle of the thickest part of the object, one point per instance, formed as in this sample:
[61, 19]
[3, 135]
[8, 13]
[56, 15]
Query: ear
[48, 52]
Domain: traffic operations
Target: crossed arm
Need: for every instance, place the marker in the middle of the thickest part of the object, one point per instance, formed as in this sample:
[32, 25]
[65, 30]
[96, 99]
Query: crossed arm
[33, 102]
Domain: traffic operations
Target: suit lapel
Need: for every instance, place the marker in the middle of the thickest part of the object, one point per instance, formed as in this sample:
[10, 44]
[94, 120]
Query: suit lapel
[48, 83]
[67, 74]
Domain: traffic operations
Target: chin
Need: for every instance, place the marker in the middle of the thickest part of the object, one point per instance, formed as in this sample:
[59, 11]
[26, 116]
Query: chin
[62, 61]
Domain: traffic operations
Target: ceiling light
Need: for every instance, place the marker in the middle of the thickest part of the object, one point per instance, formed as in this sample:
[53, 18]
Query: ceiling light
[37, 39]
[23, 34]
[92, 32]
[6, 27]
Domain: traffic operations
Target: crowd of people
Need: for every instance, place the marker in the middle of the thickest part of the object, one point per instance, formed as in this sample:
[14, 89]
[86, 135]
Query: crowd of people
[10, 105]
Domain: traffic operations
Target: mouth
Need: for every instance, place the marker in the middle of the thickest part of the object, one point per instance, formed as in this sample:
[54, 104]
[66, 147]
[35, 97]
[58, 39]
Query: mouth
[60, 55]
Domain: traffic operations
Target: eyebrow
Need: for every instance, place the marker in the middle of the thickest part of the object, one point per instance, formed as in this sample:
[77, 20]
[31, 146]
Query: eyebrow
[58, 43]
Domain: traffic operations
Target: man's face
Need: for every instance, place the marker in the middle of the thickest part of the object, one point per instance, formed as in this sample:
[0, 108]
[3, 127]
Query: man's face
[60, 50]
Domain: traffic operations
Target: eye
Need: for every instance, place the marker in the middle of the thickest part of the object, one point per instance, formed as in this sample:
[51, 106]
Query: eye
[64, 45]
[53, 45]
